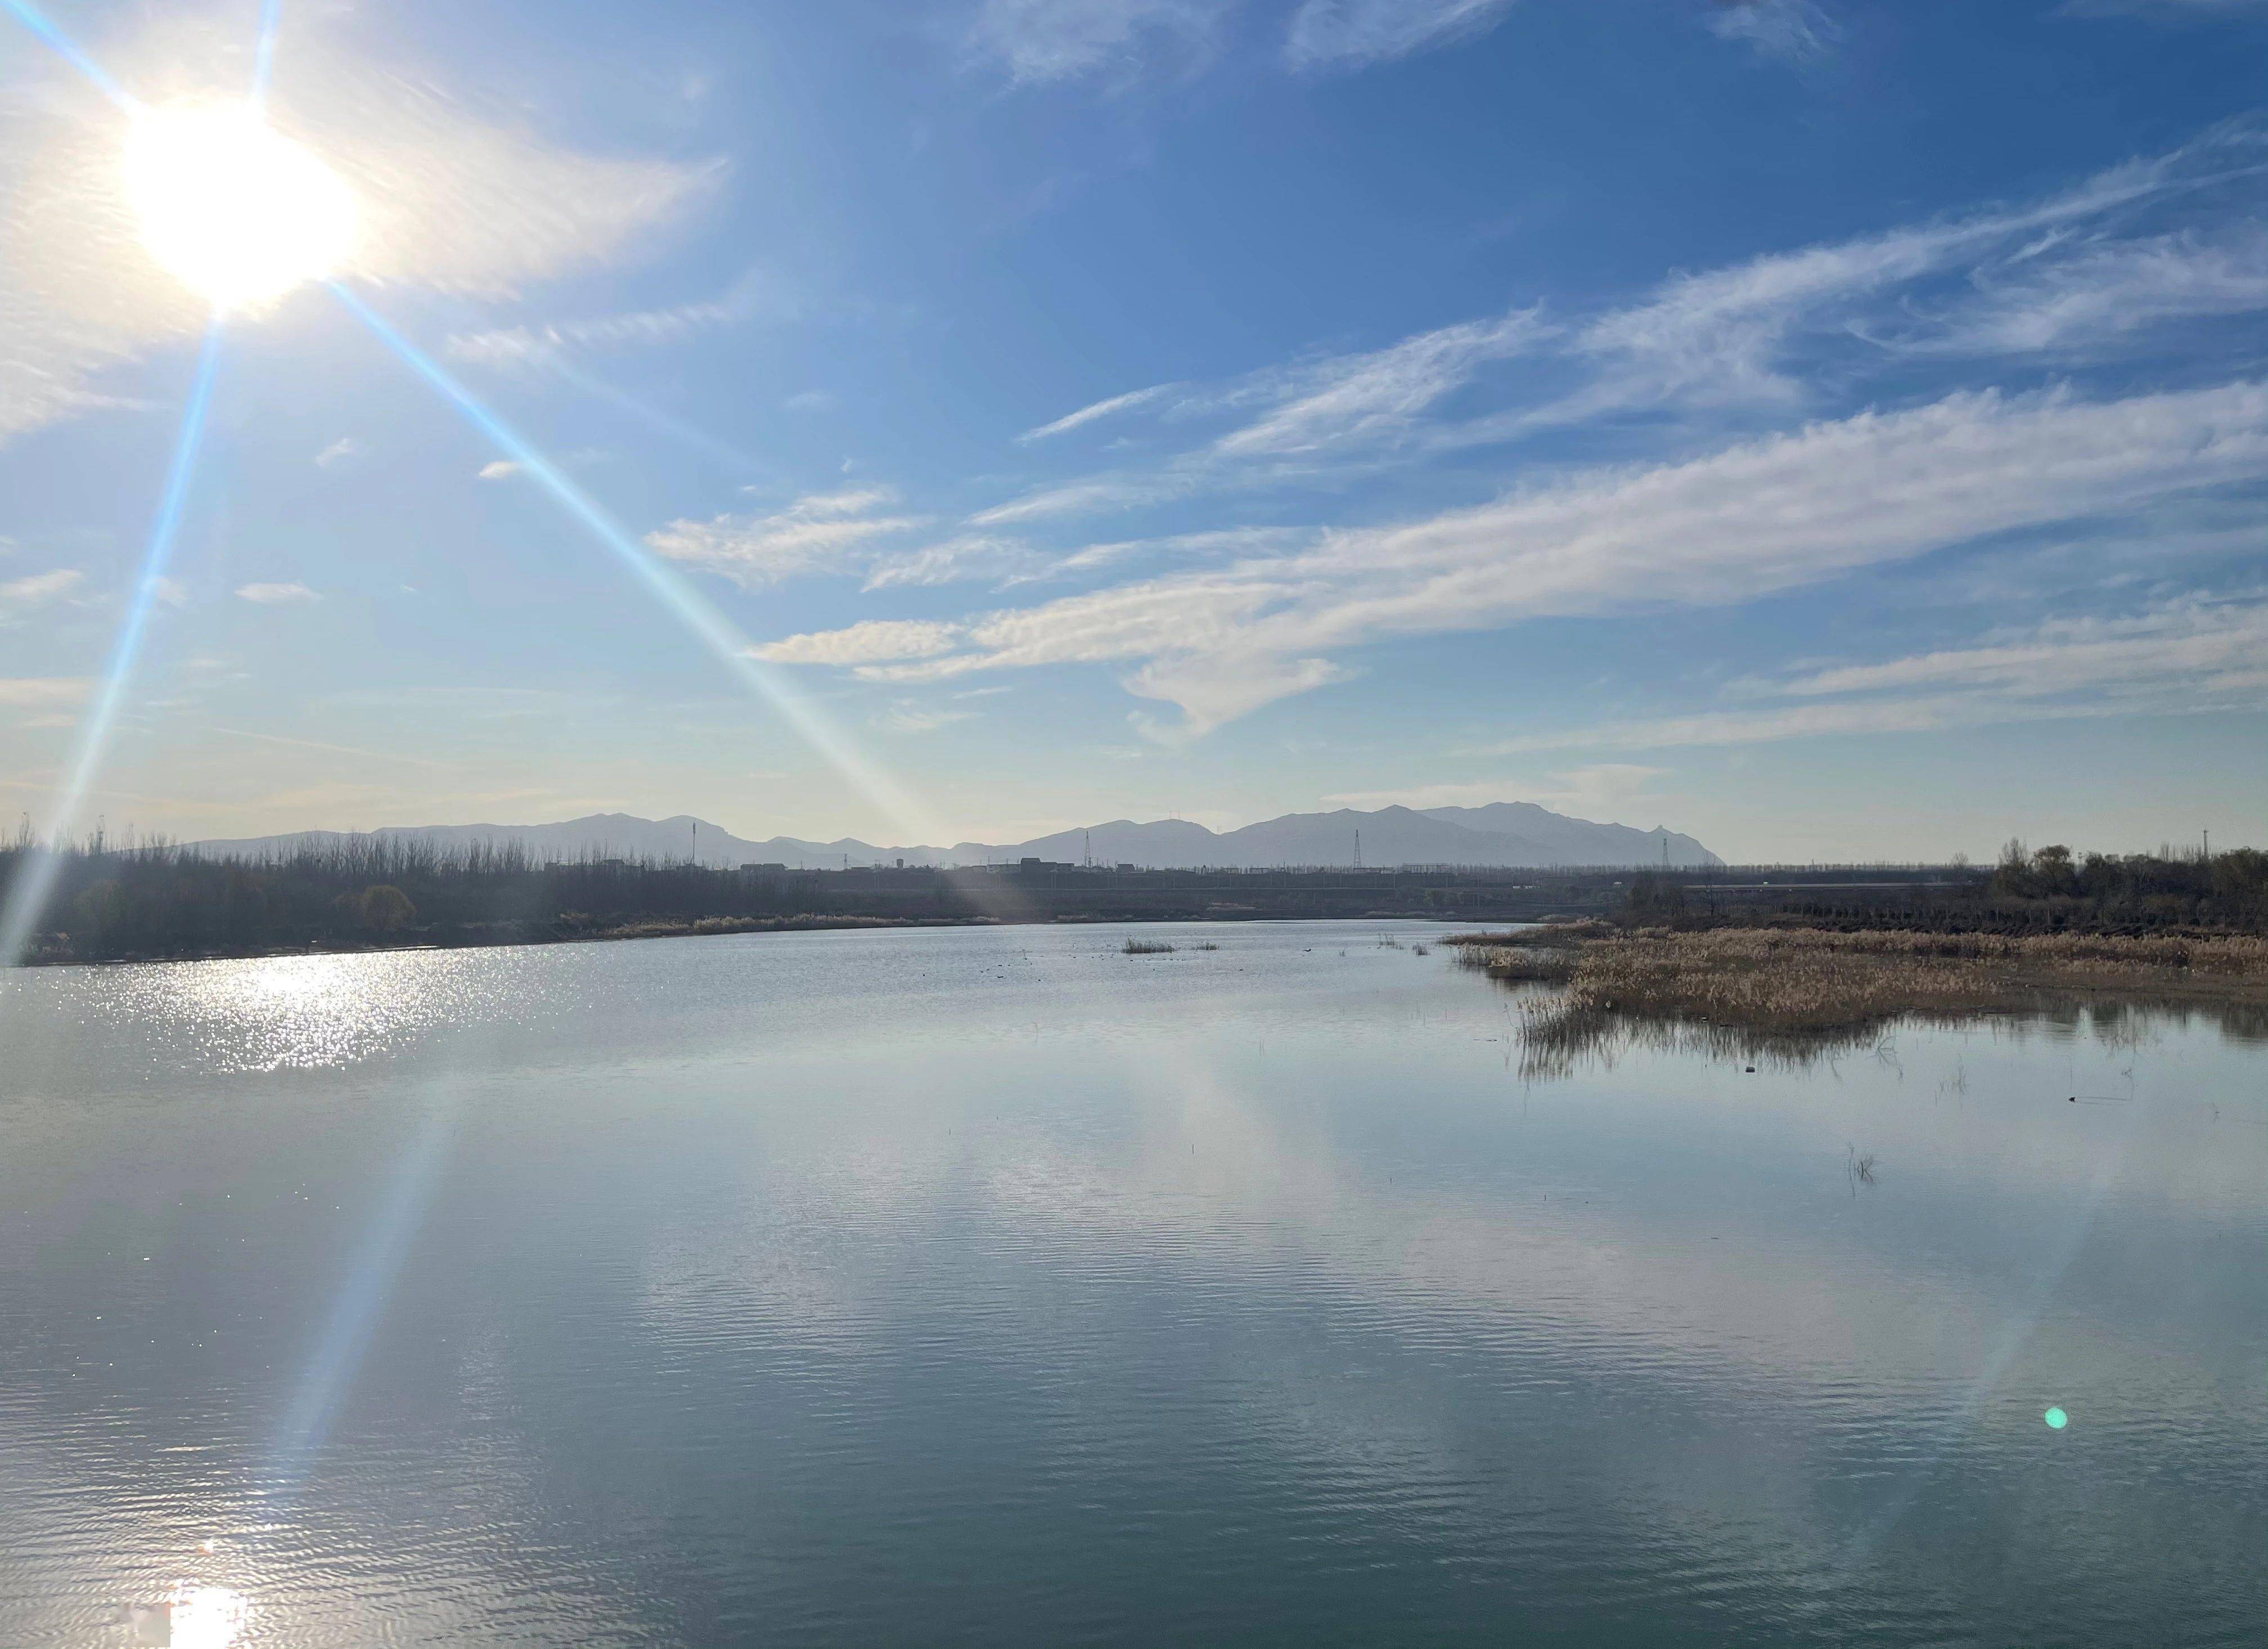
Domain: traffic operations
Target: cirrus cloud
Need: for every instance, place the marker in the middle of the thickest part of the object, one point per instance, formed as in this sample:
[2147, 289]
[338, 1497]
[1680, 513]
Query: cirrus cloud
[819, 532]
[1751, 520]
[872, 641]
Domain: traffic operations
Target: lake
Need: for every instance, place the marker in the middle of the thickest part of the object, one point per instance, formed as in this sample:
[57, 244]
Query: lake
[990, 1286]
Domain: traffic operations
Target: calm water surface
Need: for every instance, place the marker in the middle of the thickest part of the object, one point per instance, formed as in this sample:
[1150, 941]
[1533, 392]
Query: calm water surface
[993, 1287]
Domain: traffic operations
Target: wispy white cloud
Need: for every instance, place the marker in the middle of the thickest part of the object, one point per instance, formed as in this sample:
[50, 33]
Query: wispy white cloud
[38, 589]
[1218, 544]
[1364, 397]
[868, 642]
[47, 692]
[2099, 295]
[824, 533]
[1097, 411]
[1326, 406]
[338, 452]
[276, 594]
[954, 561]
[498, 469]
[1042, 40]
[2201, 648]
[906, 716]
[1751, 520]
[1752, 342]
[755, 293]
[1354, 34]
[1213, 688]
[2199, 653]
[1084, 498]
[1720, 336]
[1797, 30]
[1772, 726]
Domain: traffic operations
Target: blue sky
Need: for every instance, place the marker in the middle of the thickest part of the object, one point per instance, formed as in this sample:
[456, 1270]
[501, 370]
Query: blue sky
[1836, 431]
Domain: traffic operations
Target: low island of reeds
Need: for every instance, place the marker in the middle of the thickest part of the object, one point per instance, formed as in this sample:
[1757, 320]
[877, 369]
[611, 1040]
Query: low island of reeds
[1800, 980]
[1785, 981]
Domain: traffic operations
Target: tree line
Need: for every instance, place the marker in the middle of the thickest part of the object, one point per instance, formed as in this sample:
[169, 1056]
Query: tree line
[2049, 889]
[161, 900]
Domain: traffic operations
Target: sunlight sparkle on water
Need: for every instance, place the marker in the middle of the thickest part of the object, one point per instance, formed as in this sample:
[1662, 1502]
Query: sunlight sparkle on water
[197, 1617]
[232, 209]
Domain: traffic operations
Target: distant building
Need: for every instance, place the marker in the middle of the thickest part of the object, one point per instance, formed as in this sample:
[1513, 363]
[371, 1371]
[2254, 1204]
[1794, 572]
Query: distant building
[775, 869]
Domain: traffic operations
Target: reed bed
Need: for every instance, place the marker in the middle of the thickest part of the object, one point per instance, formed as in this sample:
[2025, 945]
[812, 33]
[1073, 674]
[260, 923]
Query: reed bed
[1808, 981]
[1145, 947]
[1542, 936]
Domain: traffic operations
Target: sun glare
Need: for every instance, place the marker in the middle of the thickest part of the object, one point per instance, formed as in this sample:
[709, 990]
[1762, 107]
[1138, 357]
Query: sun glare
[231, 209]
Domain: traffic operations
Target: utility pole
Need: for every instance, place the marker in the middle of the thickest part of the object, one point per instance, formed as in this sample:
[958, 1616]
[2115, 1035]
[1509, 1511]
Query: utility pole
[1357, 849]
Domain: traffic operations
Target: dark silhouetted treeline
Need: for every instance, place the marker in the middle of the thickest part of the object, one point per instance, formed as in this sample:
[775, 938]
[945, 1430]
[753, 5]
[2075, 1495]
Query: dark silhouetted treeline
[162, 902]
[2048, 891]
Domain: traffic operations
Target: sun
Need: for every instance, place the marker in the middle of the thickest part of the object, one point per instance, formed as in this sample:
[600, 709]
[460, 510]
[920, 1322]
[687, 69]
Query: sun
[230, 208]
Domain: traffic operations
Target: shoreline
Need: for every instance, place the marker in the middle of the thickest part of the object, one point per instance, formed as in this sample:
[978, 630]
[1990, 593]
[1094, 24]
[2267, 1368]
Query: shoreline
[700, 928]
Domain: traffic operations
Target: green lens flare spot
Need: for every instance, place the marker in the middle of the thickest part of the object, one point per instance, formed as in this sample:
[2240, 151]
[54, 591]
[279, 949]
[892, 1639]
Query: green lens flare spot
[2057, 1419]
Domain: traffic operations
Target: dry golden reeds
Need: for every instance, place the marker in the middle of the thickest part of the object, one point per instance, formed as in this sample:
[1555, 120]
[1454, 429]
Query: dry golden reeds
[1807, 980]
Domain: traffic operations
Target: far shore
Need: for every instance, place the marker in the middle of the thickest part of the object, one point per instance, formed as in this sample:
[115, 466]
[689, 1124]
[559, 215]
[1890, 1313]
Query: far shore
[502, 939]
[704, 927]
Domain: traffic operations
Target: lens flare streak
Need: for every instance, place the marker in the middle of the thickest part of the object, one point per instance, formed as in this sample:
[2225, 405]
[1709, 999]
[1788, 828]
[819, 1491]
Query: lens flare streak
[713, 628]
[36, 20]
[361, 1302]
[263, 53]
[2014, 1334]
[27, 895]
[733, 463]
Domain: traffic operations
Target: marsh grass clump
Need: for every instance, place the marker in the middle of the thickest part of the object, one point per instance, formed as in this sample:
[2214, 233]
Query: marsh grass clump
[1805, 980]
[1208, 945]
[1542, 936]
[1145, 947]
[1799, 995]
[1521, 964]
[1797, 980]
[1544, 954]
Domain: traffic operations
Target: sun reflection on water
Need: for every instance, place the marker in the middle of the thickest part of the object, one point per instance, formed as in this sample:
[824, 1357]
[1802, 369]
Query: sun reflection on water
[195, 1618]
[300, 1013]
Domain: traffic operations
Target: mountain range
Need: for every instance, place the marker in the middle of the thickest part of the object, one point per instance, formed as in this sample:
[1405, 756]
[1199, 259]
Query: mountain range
[1502, 834]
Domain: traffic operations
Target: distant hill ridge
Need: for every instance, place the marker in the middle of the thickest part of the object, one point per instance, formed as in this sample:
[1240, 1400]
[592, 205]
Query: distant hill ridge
[1503, 833]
